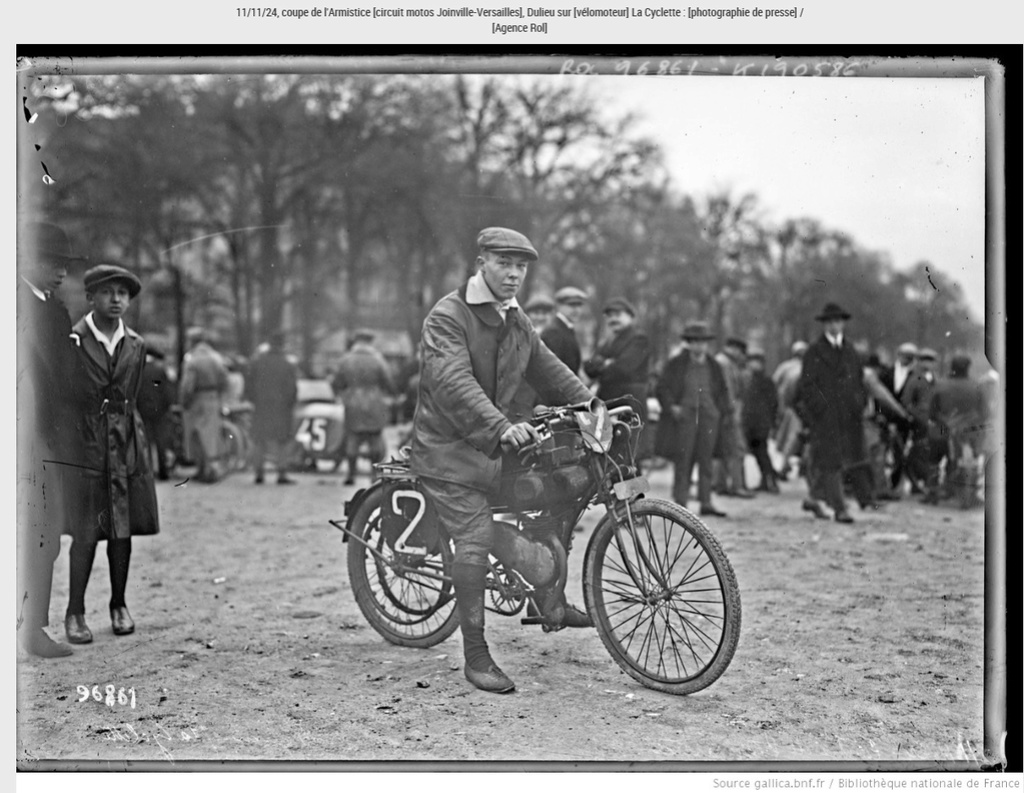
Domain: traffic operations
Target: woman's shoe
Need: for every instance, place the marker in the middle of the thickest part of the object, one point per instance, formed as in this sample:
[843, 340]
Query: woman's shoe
[76, 629]
[121, 621]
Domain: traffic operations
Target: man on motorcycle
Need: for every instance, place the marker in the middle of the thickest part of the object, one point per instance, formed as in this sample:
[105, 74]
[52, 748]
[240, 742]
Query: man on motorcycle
[478, 348]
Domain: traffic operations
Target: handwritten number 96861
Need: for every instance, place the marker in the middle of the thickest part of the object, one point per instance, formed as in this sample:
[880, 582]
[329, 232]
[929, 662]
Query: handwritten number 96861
[111, 695]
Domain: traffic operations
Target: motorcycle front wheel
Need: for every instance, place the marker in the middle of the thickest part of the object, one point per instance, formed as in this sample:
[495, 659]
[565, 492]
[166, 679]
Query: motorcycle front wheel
[663, 596]
[406, 599]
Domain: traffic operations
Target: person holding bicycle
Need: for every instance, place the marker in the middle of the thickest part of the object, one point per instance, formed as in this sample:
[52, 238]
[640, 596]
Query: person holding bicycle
[477, 348]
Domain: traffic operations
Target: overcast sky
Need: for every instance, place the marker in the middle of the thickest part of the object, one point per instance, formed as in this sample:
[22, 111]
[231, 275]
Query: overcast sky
[896, 163]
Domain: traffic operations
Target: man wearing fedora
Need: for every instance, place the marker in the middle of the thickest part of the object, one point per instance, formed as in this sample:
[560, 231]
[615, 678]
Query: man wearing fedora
[118, 495]
[830, 401]
[560, 334]
[477, 349]
[620, 365]
[47, 427]
[694, 397]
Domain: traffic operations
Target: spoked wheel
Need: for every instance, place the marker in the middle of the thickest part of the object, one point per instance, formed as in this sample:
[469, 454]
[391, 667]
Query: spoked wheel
[402, 596]
[663, 597]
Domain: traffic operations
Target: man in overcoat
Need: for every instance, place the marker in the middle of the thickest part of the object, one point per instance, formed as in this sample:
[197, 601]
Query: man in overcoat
[156, 397]
[364, 381]
[760, 409]
[560, 334]
[47, 428]
[272, 387]
[118, 498]
[477, 348]
[926, 442]
[693, 397]
[203, 385]
[830, 401]
[789, 430]
[620, 365]
[732, 446]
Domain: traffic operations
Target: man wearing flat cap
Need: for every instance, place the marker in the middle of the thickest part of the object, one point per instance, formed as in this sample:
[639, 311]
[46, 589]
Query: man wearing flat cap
[789, 430]
[924, 435]
[118, 496]
[477, 348]
[47, 427]
[560, 334]
[694, 397]
[620, 365]
[830, 401]
[895, 379]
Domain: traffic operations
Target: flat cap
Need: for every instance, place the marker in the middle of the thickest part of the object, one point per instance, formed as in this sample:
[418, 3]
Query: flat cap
[832, 311]
[570, 294]
[927, 354]
[799, 347]
[737, 342]
[539, 303]
[697, 331]
[907, 348]
[754, 352]
[105, 273]
[495, 238]
[619, 304]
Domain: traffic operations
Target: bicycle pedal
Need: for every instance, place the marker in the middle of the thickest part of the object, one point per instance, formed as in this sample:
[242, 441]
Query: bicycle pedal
[538, 620]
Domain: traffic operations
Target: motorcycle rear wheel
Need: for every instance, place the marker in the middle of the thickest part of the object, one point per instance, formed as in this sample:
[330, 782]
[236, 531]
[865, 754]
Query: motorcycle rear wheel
[406, 607]
[664, 598]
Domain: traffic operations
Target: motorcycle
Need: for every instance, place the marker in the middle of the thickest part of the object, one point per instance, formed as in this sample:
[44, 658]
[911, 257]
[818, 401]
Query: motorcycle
[656, 583]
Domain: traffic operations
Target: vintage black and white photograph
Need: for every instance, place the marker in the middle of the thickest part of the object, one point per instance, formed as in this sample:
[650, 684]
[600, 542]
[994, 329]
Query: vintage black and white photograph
[559, 410]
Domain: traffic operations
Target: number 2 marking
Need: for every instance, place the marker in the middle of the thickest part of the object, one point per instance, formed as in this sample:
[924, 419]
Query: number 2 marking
[421, 508]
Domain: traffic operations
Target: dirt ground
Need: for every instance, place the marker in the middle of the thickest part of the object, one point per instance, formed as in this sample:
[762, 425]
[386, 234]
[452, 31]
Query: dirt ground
[860, 642]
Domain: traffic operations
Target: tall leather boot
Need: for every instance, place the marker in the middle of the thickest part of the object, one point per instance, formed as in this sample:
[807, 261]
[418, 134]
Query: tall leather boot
[480, 669]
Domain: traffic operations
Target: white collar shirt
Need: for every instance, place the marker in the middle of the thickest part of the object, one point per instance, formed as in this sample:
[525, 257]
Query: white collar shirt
[565, 320]
[109, 344]
[836, 341]
[479, 293]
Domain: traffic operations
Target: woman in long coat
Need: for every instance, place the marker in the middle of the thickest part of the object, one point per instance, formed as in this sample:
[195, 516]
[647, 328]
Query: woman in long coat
[117, 491]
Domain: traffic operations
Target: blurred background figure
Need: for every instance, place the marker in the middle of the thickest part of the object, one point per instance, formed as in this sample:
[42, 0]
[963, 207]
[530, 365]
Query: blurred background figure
[157, 395]
[693, 397]
[895, 379]
[789, 433]
[881, 408]
[732, 446]
[202, 388]
[363, 380]
[560, 334]
[961, 414]
[541, 310]
[922, 463]
[760, 410]
[620, 364]
[272, 388]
